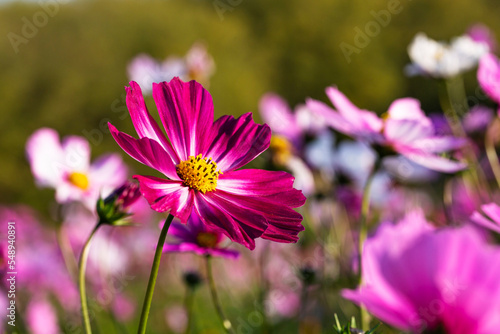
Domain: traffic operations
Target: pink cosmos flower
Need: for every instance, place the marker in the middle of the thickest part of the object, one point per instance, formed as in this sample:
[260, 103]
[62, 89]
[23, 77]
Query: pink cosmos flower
[198, 238]
[406, 130]
[490, 219]
[201, 161]
[416, 278]
[488, 75]
[66, 167]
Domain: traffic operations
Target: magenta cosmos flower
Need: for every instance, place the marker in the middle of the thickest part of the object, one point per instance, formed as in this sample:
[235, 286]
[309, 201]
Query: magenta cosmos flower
[406, 130]
[66, 167]
[197, 237]
[420, 279]
[200, 160]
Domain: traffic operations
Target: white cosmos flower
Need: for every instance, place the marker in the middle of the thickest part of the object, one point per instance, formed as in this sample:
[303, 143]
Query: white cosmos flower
[442, 60]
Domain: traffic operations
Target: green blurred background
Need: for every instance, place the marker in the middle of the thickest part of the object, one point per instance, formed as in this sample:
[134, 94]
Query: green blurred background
[70, 75]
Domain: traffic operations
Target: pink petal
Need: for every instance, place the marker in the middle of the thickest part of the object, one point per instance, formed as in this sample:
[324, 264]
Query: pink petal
[344, 106]
[438, 144]
[435, 162]
[165, 195]
[222, 252]
[46, 157]
[277, 114]
[76, 153]
[406, 108]
[488, 75]
[144, 124]
[284, 222]
[492, 210]
[186, 110]
[254, 182]
[367, 119]
[146, 151]
[389, 309]
[181, 232]
[172, 248]
[331, 117]
[269, 185]
[235, 142]
[108, 171]
[230, 219]
[406, 131]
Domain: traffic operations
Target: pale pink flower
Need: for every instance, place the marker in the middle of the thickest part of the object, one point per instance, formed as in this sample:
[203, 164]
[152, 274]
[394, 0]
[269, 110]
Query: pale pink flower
[65, 166]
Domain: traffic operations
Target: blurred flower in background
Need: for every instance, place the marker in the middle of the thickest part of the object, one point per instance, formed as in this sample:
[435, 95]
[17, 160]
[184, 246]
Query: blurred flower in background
[420, 279]
[198, 238]
[441, 60]
[196, 65]
[405, 130]
[289, 129]
[65, 166]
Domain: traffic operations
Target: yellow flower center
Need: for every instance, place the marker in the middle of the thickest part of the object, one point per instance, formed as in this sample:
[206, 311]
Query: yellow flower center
[206, 239]
[199, 173]
[281, 148]
[79, 180]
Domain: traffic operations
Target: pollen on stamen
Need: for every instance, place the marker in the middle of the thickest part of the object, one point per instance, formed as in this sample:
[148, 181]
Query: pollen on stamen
[189, 172]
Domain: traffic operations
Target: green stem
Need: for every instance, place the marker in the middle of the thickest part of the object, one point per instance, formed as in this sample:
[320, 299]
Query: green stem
[452, 95]
[211, 283]
[363, 231]
[81, 281]
[365, 209]
[152, 277]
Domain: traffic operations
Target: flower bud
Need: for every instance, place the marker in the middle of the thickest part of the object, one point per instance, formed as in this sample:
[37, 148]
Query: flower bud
[112, 209]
